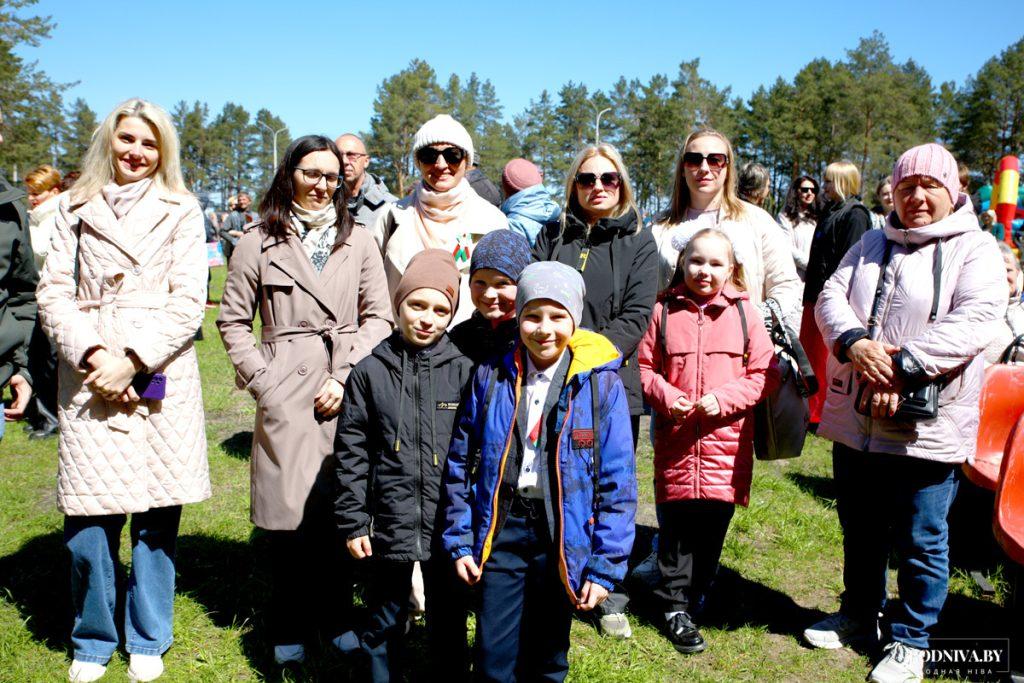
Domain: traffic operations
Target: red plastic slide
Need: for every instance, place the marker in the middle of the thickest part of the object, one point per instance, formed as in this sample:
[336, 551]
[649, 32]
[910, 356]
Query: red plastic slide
[1002, 402]
[1008, 517]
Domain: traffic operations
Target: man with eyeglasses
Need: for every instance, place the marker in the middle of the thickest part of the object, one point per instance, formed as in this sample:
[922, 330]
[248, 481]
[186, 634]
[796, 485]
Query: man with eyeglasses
[367, 193]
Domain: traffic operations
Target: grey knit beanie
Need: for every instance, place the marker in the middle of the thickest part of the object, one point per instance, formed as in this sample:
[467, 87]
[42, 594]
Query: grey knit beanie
[555, 281]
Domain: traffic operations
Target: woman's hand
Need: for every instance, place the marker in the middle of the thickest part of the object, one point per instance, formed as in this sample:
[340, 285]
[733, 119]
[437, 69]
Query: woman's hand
[111, 376]
[467, 570]
[360, 547]
[883, 401]
[22, 393]
[592, 595]
[873, 360]
[681, 408]
[328, 400]
[708, 405]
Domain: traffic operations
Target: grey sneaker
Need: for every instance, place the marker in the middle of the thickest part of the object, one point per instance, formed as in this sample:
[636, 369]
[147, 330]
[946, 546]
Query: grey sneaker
[615, 626]
[901, 664]
[837, 630]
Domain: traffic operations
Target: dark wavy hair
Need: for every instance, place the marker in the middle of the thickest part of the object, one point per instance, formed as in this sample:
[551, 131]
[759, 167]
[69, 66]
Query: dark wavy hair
[792, 208]
[276, 206]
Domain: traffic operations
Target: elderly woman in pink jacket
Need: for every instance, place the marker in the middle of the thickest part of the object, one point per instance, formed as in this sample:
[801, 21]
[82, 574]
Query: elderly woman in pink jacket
[906, 316]
[121, 295]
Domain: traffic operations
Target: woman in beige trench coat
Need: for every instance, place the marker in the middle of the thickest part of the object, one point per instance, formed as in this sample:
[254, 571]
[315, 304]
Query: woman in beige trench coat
[121, 294]
[322, 297]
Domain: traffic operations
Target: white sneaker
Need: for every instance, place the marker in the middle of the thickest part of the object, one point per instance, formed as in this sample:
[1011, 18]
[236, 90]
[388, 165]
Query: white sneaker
[285, 654]
[901, 664]
[615, 626]
[145, 667]
[83, 672]
[837, 630]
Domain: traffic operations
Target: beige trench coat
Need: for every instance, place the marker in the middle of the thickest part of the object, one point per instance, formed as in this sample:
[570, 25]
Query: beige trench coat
[345, 309]
[142, 286]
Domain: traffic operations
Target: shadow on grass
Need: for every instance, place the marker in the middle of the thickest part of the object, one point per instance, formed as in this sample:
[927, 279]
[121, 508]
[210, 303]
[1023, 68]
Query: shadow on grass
[238, 445]
[35, 580]
[822, 488]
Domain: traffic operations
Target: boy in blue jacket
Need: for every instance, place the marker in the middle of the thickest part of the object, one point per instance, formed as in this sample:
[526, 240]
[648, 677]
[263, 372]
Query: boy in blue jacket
[540, 482]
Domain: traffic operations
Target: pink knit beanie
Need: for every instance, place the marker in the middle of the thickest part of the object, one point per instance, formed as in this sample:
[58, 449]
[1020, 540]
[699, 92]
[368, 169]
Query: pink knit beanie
[518, 175]
[931, 160]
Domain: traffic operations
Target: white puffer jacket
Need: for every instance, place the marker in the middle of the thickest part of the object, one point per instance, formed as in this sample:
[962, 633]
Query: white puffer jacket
[972, 301]
[142, 286]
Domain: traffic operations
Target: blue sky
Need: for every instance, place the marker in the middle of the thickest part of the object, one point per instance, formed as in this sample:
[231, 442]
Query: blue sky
[317, 64]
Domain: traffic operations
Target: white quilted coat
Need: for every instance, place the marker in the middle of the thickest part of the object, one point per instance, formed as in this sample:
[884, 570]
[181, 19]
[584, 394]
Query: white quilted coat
[142, 286]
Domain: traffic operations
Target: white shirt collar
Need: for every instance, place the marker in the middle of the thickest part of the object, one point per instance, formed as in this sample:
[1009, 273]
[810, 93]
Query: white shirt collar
[533, 374]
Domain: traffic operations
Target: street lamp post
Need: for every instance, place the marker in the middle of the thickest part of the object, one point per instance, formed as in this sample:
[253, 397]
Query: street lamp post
[597, 122]
[275, 134]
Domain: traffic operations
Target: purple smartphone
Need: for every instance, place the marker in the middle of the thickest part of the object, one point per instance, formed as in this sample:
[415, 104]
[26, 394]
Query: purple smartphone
[151, 386]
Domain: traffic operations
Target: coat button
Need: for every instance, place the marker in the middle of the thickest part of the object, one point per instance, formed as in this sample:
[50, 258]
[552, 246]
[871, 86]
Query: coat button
[137, 270]
[303, 324]
[303, 369]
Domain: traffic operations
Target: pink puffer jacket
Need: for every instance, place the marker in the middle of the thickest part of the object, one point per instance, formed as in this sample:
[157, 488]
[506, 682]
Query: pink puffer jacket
[971, 305]
[705, 458]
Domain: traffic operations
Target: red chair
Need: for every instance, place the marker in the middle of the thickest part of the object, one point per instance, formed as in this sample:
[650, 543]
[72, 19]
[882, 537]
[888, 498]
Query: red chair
[1002, 402]
[1008, 515]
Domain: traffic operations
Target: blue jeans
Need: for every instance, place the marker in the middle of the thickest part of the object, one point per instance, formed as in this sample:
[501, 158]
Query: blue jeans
[893, 502]
[93, 543]
[3, 422]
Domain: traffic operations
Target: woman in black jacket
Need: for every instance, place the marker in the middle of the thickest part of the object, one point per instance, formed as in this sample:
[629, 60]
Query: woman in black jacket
[845, 220]
[601, 235]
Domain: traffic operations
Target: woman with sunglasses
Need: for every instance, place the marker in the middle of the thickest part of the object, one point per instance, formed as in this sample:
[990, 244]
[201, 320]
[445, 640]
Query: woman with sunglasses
[600, 234]
[705, 196]
[442, 212]
[799, 218]
[845, 219]
[318, 285]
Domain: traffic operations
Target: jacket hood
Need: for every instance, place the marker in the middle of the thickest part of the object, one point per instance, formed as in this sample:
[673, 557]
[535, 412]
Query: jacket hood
[10, 194]
[390, 351]
[962, 220]
[591, 351]
[534, 203]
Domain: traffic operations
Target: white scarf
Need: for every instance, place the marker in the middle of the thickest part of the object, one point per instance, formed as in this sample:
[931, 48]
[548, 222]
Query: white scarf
[434, 210]
[122, 198]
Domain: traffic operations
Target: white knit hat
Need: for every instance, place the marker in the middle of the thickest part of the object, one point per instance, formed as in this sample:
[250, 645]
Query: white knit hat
[443, 128]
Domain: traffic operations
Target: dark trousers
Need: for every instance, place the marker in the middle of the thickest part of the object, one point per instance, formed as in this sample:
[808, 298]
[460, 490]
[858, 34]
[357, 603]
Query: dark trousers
[893, 502]
[311, 574]
[525, 614]
[388, 588]
[690, 541]
[42, 363]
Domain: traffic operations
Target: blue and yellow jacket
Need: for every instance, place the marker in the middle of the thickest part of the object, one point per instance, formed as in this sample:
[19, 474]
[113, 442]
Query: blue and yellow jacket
[594, 535]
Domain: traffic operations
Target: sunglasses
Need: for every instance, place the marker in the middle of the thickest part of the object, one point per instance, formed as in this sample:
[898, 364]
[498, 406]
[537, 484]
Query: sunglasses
[611, 179]
[716, 161]
[804, 190]
[453, 156]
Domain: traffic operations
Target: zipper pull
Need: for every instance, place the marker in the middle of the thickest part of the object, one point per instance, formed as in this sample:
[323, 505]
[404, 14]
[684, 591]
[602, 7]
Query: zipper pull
[398, 444]
[435, 459]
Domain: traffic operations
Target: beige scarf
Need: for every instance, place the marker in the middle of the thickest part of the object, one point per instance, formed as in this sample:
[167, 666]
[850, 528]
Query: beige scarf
[317, 232]
[122, 198]
[434, 210]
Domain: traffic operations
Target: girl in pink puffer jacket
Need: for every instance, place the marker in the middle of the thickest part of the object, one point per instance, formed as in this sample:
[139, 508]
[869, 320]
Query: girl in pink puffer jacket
[705, 361]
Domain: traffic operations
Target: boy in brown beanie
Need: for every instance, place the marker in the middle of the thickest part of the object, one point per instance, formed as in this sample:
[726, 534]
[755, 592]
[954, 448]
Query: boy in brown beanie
[393, 434]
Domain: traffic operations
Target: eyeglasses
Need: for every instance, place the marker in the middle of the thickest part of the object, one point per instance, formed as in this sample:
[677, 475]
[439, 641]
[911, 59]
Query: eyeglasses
[314, 175]
[610, 179]
[716, 161]
[353, 155]
[805, 190]
[453, 156]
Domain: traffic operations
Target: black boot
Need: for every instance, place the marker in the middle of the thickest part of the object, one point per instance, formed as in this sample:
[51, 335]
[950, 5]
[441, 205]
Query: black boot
[45, 422]
[683, 634]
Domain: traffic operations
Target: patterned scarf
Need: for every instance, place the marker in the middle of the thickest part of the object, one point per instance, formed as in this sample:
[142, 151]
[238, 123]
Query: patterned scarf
[317, 231]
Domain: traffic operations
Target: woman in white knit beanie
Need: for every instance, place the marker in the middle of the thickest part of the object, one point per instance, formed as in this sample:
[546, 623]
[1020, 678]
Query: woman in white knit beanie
[442, 211]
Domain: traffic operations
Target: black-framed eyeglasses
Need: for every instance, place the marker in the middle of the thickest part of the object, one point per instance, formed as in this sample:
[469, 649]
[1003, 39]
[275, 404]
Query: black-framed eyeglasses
[609, 179]
[453, 156]
[804, 190]
[314, 175]
[716, 160]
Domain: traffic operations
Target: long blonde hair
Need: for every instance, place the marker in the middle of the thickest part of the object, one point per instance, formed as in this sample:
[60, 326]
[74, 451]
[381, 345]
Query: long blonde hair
[627, 200]
[845, 178]
[731, 204]
[98, 164]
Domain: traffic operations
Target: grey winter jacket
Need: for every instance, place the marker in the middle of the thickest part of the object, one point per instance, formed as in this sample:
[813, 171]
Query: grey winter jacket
[372, 197]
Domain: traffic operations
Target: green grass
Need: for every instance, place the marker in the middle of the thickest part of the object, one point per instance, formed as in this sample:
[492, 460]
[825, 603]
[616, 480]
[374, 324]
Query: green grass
[781, 571]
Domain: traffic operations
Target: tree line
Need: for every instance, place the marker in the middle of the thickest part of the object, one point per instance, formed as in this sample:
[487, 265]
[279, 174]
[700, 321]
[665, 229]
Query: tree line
[865, 107]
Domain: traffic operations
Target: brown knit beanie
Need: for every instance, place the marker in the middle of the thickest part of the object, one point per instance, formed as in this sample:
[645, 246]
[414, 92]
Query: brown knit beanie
[433, 269]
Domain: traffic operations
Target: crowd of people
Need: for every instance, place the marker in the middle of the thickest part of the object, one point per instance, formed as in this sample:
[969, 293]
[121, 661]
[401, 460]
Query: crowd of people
[449, 386]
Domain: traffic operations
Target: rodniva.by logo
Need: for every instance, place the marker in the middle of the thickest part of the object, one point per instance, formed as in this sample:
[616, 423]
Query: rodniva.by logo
[974, 658]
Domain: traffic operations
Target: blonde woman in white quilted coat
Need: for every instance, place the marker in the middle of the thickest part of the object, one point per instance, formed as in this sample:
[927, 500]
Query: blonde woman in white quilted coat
[122, 292]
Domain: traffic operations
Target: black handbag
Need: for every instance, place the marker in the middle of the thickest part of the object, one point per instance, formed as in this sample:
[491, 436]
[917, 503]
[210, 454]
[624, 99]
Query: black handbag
[918, 401]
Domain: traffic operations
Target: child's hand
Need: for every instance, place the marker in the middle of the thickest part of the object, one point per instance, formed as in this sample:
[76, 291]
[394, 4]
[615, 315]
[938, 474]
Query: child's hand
[681, 408]
[592, 595]
[708, 405]
[360, 547]
[467, 570]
